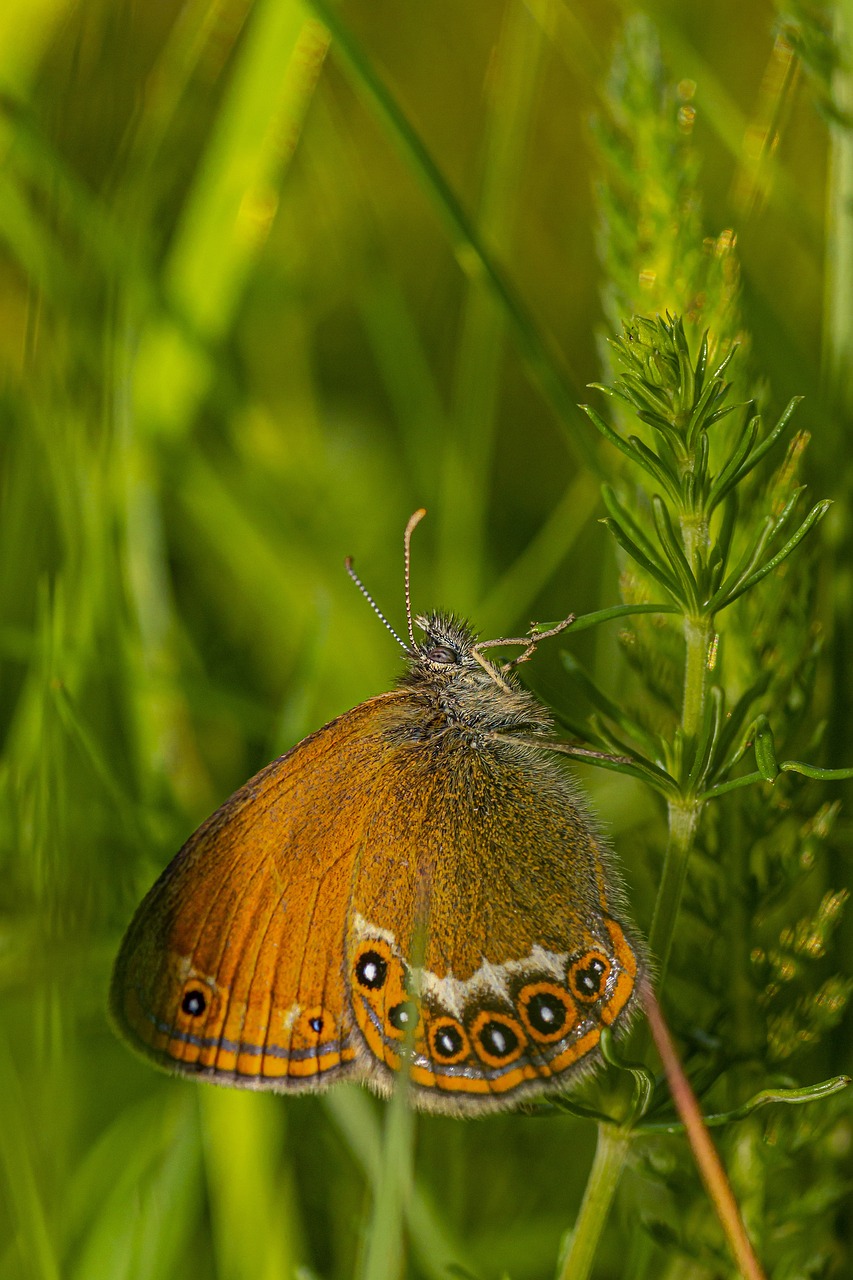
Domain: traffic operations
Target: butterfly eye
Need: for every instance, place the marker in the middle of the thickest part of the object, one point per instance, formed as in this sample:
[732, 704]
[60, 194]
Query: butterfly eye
[443, 656]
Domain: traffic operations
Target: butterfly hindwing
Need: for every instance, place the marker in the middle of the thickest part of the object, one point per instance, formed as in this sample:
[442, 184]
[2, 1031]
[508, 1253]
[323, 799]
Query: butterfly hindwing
[488, 944]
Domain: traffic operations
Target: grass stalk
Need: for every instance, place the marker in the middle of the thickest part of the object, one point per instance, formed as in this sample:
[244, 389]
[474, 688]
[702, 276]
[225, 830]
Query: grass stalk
[478, 367]
[610, 1154]
[538, 348]
[384, 1247]
[704, 1151]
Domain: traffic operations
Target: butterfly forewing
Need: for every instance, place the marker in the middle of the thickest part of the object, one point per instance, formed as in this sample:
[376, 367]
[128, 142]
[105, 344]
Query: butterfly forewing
[232, 965]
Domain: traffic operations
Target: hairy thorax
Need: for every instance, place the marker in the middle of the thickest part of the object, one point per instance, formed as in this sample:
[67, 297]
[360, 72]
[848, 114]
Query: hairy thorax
[454, 691]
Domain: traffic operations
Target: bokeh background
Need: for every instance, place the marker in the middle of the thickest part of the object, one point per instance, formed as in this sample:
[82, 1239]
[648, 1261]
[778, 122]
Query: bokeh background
[273, 275]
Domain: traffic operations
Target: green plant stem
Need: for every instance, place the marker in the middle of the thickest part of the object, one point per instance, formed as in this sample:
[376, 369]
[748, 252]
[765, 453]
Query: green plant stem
[384, 1248]
[683, 821]
[698, 629]
[698, 633]
[610, 1154]
[685, 811]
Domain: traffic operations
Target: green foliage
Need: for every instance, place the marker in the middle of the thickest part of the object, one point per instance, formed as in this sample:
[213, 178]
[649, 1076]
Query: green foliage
[750, 1004]
[263, 295]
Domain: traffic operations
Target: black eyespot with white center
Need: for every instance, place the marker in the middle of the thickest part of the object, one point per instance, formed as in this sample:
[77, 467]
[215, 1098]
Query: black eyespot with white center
[448, 1042]
[316, 1024]
[498, 1039]
[403, 1016]
[546, 1013]
[588, 976]
[194, 1002]
[371, 970]
[547, 1010]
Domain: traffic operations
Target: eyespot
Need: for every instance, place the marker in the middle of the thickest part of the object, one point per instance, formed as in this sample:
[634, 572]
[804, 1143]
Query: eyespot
[404, 1016]
[198, 1000]
[497, 1037]
[194, 1002]
[588, 976]
[312, 1023]
[312, 1028]
[382, 1004]
[448, 1041]
[443, 656]
[371, 969]
[547, 1011]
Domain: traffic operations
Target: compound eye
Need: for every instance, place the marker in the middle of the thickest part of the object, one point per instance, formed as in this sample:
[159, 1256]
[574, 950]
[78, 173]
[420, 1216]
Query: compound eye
[442, 655]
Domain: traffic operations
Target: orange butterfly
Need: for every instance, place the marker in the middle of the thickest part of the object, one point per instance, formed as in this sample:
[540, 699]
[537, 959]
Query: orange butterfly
[417, 883]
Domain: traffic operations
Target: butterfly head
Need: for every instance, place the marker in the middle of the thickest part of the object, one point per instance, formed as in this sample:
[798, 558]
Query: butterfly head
[449, 671]
[448, 643]
[467, 692]
[450, 655]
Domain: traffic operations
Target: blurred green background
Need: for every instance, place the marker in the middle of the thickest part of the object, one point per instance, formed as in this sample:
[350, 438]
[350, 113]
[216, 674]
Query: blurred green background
[266, 286]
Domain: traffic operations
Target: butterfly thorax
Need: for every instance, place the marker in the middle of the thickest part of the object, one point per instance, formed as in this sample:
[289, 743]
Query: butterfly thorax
[458, 692]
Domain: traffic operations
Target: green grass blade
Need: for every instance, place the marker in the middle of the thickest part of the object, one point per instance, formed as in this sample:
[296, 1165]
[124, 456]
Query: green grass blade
[230, 209]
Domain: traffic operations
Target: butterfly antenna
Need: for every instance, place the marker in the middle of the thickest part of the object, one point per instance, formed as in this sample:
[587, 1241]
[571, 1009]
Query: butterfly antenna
[414, 521]
[369, 598]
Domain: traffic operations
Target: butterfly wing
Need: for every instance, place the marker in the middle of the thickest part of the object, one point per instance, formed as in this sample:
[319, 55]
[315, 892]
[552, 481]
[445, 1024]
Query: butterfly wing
[491, 940]
[376, 887]
[232, 965]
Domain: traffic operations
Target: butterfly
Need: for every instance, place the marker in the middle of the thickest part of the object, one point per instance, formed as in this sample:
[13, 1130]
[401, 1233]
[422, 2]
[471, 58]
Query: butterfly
[417, 885]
